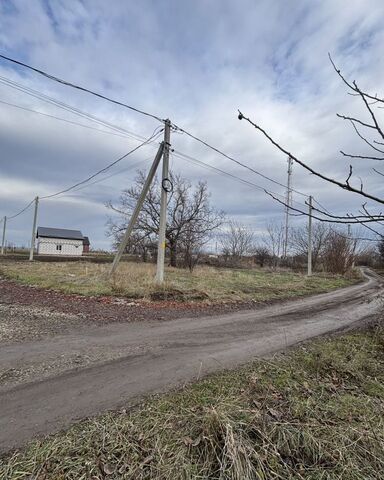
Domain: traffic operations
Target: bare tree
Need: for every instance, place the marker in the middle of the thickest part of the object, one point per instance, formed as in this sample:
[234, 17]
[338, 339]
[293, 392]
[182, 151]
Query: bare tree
[273, 240]
[139, 243]
[191, 247]
[298, 240]
[190, 217]
[237, 241]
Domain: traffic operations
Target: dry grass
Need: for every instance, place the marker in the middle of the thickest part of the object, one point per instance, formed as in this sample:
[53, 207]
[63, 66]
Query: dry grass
[136, 280]
[315, 414]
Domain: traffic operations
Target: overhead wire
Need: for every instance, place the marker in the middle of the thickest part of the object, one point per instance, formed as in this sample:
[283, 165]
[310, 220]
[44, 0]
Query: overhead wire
[64, 82]
[150, 139]
[101, 180]
[21, 211]
[223, 172]
[78, 87]
[65, 106]
[215, 149]
[154, 134]
[30, 110]
[176, 127]
[124, 132]
[246, 182]
[321, 206]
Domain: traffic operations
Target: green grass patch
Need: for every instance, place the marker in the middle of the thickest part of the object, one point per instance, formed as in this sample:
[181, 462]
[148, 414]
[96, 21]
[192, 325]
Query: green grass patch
[136, 280]
[316, 413]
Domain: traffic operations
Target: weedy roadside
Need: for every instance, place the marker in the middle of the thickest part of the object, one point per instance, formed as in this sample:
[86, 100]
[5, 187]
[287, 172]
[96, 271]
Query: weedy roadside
[314, 413]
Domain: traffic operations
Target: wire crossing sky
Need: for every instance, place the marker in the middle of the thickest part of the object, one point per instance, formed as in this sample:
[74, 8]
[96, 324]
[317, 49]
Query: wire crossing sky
[269, 59]
[203, 142]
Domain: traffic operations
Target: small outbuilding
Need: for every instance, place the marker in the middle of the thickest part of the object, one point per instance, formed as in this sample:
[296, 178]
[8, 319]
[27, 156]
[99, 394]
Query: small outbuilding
[86, 245]
[61, 241]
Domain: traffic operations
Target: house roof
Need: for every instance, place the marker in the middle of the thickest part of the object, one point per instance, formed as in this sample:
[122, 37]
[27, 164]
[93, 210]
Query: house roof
[86, 241]
[48, 232]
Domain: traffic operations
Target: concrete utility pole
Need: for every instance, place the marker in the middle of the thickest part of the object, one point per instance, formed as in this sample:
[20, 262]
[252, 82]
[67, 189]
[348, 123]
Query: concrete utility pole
[310, 236]
[163, 205]
[137, 209]
[351, 238]
[32, 250]
[288, 201]
[4, 228]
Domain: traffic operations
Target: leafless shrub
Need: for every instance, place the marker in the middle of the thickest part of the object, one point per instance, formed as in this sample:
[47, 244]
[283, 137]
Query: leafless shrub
[273, 240]
[238, 241]
[262, 255]
[339, 253]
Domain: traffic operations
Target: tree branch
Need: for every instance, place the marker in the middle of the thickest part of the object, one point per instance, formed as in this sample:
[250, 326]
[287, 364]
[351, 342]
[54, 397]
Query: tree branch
[342, 185]
[350, 220]
[352, 119]
[361, 156]
[365, 140]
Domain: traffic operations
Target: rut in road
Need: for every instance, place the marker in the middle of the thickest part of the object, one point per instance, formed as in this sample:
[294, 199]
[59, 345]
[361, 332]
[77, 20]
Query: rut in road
[158, 356]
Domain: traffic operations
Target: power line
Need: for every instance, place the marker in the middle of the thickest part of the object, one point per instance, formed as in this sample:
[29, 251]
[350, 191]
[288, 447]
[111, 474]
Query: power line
[232, 159]
[326, 220]
[155, 133]
[321, 206]
[44, 97]
[223, 172]
[61, 119]
[64, 82]
[112, 175]
[78, 87]
[247, 182]
[21, 211]
[65, 106]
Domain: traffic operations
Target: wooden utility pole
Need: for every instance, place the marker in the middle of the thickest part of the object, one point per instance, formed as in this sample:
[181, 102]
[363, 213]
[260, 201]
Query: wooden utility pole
[163, 205]
[3, 241]
[32, 250]
[137, 209]
[310, 236]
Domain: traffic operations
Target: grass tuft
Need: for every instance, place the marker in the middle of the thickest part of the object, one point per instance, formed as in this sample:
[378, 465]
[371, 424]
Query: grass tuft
[136, 281]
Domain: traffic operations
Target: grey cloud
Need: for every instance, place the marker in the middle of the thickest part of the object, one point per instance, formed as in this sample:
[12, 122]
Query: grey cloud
[196, 63]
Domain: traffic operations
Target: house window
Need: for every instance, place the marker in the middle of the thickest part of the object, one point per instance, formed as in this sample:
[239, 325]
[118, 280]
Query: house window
[58, 247]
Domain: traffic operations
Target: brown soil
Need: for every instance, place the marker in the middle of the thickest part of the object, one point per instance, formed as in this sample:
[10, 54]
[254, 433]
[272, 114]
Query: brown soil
[102, 310]
[53, 381]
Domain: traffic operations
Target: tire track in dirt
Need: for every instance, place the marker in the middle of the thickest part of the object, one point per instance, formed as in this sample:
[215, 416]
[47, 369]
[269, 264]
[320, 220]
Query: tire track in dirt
[172, 353]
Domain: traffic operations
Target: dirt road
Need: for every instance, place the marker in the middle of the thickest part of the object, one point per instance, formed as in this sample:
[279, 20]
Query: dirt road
[154, 356]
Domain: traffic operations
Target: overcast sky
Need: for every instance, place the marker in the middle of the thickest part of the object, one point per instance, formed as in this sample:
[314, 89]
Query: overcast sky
[195, 62]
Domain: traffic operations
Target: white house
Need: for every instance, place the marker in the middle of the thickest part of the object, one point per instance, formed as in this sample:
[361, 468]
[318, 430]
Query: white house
[59, 241]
